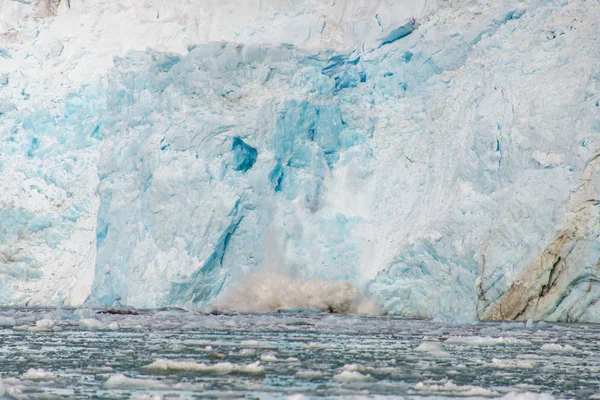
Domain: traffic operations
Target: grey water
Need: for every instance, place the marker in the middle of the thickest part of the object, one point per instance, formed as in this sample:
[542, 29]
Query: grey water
[80, 354]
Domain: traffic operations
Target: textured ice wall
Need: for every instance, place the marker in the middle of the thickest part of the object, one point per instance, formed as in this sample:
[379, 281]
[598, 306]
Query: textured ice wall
[446, 167]
[48, 123]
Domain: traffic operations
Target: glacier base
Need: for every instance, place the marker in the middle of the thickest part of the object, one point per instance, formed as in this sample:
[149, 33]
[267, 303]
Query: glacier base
[443, 166]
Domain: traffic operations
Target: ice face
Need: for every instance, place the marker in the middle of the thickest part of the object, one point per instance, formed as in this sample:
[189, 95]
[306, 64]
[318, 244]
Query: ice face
[446, 167]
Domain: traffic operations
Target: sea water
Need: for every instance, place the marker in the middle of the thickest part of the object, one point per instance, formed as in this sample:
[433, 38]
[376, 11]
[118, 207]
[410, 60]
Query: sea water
[173, 354]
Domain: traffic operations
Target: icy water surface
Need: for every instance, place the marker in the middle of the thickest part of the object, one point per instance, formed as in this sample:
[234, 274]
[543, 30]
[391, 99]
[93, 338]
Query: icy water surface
[175, 354]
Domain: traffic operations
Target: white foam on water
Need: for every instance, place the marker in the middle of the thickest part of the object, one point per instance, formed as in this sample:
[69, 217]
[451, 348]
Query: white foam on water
[161, 365]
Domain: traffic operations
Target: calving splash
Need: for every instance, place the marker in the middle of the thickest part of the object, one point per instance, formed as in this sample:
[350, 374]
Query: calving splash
[443, 165]
[264, 292]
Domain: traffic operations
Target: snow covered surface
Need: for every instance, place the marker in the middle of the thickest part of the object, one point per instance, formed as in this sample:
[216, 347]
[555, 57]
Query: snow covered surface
[166, 153]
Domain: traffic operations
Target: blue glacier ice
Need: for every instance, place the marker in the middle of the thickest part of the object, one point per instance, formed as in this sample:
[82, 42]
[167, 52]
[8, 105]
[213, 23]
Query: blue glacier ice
[445, 168]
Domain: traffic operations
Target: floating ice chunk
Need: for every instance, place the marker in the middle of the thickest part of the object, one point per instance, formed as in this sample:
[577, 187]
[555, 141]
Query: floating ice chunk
[366, 369]
[487, 341]
[512, 325]
[510, 364]
[309, 374]
[433, 348]
[269, 357]
[353, 367]
[45, 324]
[21, 328]
[296, 396]
[250, 343]
[7, 321]
[120, 381]
[38, 374]
[527, 396]
[315, 345]
[451, 388]
[161, 365]
[529, 324]
[84, 313]
[92, 324]
[557, 348]
[542, 325]
[2, 388]
[351, 376]
[113, 326]
[147, 397]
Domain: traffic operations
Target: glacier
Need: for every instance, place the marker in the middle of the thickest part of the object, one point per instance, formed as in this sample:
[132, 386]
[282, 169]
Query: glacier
[439, 157]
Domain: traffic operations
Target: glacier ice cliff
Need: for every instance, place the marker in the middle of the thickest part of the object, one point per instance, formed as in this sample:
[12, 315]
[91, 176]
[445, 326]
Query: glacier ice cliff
[440, 157]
